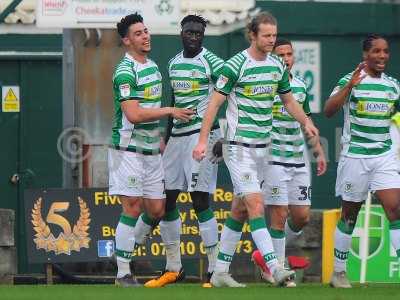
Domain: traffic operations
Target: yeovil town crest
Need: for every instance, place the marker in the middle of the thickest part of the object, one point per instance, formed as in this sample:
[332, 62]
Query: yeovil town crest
[69, 239]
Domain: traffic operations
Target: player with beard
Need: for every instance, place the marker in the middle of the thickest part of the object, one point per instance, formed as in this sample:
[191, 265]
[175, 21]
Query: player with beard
[250, 80]
[287, 183]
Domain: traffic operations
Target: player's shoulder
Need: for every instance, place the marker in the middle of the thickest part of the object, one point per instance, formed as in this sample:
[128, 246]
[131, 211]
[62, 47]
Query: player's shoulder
[210, 55]
[345, 78]
[393, 81]
[238, 58]
[299, 81]
[151, 63]
[277, 60]
[125, 67]
[236, 62]
[175, 59]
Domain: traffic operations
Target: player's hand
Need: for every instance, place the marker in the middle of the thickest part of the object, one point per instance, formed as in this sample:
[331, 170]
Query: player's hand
[199, 152]
[309, 129]
[321, 164]
[182, 114]
[215, 153]
[357, 77]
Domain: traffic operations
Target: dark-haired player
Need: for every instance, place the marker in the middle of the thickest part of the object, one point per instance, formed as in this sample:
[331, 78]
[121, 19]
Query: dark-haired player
[369, 98]
[135, 167]
[193, 73]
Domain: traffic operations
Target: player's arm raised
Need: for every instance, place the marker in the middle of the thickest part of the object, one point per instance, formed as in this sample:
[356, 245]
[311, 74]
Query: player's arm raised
[136, 114]
[217, 99]
[341, 93]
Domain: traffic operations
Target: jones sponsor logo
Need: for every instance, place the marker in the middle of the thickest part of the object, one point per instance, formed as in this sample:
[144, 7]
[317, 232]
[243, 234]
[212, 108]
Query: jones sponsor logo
[258, 90]
[184, 85]
[153, 92]
[375, 107]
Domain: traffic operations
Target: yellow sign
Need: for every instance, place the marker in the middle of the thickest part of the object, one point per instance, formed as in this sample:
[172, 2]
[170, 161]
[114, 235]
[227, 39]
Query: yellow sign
[70, 239]
[10, 99]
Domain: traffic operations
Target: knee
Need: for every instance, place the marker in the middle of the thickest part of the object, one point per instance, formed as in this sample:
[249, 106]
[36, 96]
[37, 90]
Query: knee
[278, 217]
[156, 211]
[239, 214]
[132, 207]
[393, 214]
[301, 221]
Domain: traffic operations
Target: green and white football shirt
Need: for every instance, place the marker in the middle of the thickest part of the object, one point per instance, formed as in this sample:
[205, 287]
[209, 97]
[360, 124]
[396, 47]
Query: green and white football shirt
[192, 81]
[287, 140]
[367, 115]
[251, 87]
[142, 82]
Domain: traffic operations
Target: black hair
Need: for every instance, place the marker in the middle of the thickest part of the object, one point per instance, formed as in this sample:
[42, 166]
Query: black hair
[123, 25]
[367, 42]
[281, 42]
[195, 19]
[264, 17]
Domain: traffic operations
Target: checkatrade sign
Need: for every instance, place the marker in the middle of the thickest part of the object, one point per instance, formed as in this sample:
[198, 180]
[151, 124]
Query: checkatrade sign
[104, 13]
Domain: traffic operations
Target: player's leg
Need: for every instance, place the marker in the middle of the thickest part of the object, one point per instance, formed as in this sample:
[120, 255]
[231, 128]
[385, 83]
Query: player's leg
[262, 238]
[343, 233]
[352, 186]
[278, 215]
[299, 203]
[390, 200]
[202, 178]
[275, 191]
[208, 227]
[386, 182]
[234, 157]
[230, 237]
[125, 180]
[170, 224]
[251, 174]
[299, 217]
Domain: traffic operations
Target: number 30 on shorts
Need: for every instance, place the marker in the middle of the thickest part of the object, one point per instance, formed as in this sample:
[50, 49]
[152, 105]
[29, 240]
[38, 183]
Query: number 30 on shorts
[305, 191]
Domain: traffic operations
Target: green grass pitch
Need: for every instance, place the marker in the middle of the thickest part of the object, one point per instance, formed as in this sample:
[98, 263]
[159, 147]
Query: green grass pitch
[195, 291]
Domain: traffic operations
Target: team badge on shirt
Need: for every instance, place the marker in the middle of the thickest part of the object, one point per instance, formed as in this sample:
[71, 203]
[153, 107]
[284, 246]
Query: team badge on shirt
[222, 81]
[275, 76]
[195, 73]
[125, 90]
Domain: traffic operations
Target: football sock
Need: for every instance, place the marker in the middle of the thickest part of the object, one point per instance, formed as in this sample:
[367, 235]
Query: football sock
[230, 237]
[262, 239]
[124, 243]
[170, 228]
[343, 234]
[209, 234]
[278, 241]
[291, 232]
